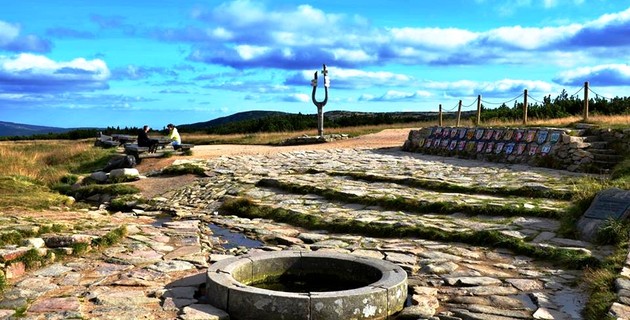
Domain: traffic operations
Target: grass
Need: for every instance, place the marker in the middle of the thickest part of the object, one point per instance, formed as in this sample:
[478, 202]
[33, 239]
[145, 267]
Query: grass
[183, 169]
[440, 186]
[29, 170]
[243, 207]
[410, 205]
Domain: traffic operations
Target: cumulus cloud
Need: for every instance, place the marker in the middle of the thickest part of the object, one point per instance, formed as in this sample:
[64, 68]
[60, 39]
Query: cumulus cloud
[246, 34]
[34, 73]
[11, 40]
[504, 87]
[341, 78]
[395, 95]
[133, 72]
[601, 75]
[296, 97]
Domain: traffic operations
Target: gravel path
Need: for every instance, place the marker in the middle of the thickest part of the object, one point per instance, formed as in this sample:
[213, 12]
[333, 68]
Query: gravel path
[389, 138]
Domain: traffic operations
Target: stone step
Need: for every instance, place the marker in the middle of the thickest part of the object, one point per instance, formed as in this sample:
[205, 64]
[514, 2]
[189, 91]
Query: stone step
[607, 157]
[605, 165]
[598, 145]
[592, 139]
[607, 151]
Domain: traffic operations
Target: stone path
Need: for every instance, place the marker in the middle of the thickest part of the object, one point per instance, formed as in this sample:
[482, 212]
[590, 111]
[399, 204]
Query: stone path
[157, 271]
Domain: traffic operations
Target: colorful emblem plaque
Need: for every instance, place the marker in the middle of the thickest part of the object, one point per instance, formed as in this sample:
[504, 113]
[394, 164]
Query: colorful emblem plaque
[498, 134]
[470, 134]
[479, 134]
[555, 137]
[470, 146]
[444, 143]
[454, 133]
[541, 137]
[480, 146]
[545, 148]
[518, 135]
[427, 144]
[461, 145]
[437, 132]
[508, 135]
[462, 133]
[531, 134]
[533, 148]
[446, 132]
[488, 134]
[509, 148]
[520, 148]
[499, 147]
[489, 146]
[436, 143]
[452, 145]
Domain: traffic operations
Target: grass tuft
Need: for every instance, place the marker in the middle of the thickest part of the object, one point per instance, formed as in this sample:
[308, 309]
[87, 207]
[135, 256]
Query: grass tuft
[183, 169]
[110, 238]
[244, 207]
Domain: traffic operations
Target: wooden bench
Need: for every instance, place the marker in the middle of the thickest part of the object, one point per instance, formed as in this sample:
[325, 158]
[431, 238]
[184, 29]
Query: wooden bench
[105, 141]
[135, 150]
[183, 147]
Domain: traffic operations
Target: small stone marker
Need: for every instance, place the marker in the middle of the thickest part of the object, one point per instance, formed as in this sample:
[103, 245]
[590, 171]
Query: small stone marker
[610, 203]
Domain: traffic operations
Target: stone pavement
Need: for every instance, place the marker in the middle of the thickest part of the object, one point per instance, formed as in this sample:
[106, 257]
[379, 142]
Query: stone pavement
[157, 272]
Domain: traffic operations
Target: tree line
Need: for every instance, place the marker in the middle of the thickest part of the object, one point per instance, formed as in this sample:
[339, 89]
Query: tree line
[560, 107]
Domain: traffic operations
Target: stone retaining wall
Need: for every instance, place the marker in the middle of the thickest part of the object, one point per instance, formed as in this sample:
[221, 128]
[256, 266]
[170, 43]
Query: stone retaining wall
[556, 148]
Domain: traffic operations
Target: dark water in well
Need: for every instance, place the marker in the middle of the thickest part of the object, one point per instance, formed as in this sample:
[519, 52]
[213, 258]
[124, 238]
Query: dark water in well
[233, 239]
[308, 283]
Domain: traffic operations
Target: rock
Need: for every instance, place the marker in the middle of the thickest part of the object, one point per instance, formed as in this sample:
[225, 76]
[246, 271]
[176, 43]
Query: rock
[525, 284]
[34, 242]
[99, 176]
[58, 241]
[472, 281]
[203, 312]
[55, 305]
[124, 174]
[171, 266]
[54, 270]
[12, 254]
[15, 270]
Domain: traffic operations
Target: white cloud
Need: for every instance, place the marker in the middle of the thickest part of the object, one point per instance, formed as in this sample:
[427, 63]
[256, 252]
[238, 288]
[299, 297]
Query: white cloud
[78, 68]
[531, 38]
[606, 74]
[8, 32]
[448, 38]
[248, 52]
[608, 19]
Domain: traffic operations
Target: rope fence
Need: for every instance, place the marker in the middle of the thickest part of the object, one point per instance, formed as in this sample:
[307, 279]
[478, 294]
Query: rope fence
[585, 90]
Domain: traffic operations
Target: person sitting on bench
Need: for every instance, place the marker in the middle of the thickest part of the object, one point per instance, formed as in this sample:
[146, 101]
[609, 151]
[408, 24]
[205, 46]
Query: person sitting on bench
[173, 135]
[145, 141]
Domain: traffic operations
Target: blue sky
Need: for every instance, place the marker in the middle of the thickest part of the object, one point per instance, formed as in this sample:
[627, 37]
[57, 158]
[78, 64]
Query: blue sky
[100, 63]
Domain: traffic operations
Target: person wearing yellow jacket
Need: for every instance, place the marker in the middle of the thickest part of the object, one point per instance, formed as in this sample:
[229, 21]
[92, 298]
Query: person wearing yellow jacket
[173, 135]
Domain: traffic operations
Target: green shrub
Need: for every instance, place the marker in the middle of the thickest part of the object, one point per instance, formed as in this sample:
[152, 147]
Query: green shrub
[182, 169]
[110, 189]
[613, 231]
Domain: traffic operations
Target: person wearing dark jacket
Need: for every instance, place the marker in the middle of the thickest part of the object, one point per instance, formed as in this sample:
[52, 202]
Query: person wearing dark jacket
[145, 141]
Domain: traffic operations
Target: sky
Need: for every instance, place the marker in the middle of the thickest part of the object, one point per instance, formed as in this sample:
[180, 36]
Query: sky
[77, 63]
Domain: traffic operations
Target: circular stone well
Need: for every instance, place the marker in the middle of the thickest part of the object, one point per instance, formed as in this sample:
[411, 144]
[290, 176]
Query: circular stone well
[368, 288]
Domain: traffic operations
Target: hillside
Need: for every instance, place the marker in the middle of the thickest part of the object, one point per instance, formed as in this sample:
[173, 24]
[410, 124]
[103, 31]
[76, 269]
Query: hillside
[19, 129]
[240, 116]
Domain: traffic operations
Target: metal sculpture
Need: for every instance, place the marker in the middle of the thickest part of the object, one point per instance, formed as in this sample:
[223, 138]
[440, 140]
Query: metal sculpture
[320, 104]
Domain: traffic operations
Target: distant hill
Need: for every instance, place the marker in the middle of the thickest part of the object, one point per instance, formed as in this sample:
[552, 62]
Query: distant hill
[18, 129]
[247, 115]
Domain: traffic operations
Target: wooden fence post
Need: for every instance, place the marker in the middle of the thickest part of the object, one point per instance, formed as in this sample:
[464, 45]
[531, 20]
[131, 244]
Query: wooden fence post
[525, 107]
[478, 110]
[459, 113]
[585, 101]
[440, 117]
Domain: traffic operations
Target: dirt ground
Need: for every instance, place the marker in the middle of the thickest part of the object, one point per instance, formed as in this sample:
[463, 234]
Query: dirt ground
[154, 186]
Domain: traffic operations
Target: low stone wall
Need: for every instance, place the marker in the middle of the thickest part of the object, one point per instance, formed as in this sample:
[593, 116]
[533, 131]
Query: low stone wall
[545, 147]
